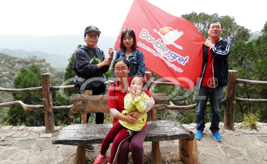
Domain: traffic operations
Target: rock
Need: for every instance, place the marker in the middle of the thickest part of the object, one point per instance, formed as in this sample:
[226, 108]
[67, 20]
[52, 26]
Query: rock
[46, 135]
[6, 128]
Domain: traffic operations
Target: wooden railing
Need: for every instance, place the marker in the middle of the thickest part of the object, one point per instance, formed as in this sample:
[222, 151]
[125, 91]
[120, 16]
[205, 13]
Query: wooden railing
[229, 102]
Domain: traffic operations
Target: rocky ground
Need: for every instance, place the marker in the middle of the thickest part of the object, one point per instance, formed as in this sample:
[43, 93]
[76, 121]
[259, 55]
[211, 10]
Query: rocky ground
[30, 145]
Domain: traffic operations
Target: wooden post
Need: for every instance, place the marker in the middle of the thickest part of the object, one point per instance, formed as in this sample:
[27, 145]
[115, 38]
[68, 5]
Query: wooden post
[80, 151]
[80, 155]
[48, 105]
[155, 155]
[147, 76]
[148, 79]
[230, 101]
[84, 115]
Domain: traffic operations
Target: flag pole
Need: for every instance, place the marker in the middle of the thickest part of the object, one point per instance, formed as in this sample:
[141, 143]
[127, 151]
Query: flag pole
[118, 33]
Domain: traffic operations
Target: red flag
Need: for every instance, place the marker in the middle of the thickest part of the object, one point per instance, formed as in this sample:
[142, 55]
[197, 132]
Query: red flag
[172, 46]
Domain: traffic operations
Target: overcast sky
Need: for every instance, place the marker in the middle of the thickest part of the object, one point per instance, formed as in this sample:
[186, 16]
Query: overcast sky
[58, 17]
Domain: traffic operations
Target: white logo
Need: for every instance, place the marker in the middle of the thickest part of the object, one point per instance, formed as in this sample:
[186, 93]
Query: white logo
[169, 36]
[212, 83]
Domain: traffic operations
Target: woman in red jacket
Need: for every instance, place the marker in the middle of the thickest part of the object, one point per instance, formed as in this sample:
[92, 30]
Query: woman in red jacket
[116, 94]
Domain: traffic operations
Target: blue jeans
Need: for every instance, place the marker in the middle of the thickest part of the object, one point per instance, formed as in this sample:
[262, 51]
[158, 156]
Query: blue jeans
[215, 96]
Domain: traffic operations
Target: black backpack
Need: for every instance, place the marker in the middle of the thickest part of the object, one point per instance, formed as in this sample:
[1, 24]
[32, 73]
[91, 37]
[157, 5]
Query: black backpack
[77, 81]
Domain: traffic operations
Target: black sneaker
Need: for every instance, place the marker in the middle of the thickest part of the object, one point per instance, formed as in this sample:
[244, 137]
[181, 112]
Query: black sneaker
[90, 148]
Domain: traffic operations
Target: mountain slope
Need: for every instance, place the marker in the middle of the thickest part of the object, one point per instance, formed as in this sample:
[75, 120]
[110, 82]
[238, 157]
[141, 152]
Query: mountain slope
[10, 67]
[58, 61]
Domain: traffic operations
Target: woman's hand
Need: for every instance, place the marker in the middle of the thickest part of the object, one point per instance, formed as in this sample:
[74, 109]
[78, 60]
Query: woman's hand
[135, 114]
[129, 119]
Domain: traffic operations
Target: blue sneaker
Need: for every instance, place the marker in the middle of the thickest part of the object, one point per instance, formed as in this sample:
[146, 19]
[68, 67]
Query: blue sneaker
[198, 134]
[217, 136]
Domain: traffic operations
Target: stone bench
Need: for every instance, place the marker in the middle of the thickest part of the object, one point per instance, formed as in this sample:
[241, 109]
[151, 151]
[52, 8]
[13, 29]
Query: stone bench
[85, 133]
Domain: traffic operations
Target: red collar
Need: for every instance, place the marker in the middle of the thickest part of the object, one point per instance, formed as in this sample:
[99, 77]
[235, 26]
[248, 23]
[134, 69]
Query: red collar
[216, 40]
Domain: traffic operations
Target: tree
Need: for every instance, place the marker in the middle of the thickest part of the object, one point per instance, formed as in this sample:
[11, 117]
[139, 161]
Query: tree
[231, 30]
[64, 98]
[30, 77]
[259, 71]
[69, 73]
[250, 60]
[264, 30]
[58, 77]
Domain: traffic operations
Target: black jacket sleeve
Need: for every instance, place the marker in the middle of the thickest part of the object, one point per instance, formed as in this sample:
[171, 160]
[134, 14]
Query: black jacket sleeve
[221, 49]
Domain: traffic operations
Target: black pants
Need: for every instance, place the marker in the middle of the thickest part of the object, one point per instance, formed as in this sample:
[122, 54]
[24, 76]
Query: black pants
[99, 119]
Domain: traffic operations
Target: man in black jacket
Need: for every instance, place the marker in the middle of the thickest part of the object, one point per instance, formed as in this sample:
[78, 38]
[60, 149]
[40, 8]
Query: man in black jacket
[90, 65]
[214, 76]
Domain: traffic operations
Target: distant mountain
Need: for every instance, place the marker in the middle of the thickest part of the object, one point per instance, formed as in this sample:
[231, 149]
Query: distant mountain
[52, 48]
[10, 67]
[57, 61]
[255, 35]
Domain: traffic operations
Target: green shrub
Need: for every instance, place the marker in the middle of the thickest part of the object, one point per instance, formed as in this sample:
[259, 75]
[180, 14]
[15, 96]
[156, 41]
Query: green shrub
[250, 122]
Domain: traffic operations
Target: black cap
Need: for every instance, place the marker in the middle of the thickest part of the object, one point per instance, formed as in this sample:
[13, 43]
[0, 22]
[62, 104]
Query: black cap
[92, 29]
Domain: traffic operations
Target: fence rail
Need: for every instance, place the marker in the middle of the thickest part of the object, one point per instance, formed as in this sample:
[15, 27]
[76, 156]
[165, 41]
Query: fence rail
[229, 102]
[251, 82]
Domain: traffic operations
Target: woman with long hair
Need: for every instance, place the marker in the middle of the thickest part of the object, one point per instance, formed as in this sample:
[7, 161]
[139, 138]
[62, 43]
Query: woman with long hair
[129, 52]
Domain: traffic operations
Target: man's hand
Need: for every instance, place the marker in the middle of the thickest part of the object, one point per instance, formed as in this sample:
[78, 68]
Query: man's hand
[208, 43]
[111, 52]
[107, 61]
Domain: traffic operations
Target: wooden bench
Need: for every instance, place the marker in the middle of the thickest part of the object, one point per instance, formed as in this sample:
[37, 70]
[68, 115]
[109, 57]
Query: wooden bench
[83, 134]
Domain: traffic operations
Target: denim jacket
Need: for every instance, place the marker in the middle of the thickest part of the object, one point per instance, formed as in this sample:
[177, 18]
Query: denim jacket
[136, 60]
